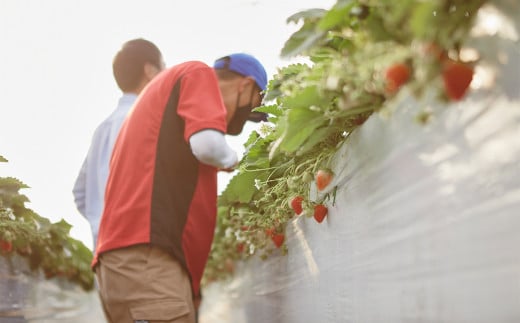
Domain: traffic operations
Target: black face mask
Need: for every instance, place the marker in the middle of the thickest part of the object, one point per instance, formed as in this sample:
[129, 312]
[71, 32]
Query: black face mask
[239, 119]
[241, 115]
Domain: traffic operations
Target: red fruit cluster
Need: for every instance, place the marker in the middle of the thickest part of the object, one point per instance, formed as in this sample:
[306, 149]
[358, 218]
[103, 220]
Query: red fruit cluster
[296, 204]
[457, 77]
[320, 212]
[323, 178]
[395, 76]
[6, 246]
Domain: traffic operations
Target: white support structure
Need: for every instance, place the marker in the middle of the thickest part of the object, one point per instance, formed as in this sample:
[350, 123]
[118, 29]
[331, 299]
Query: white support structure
[426, 225]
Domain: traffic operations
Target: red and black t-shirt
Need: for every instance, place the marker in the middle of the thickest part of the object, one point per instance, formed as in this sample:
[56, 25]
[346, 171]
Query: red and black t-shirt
[158, 192]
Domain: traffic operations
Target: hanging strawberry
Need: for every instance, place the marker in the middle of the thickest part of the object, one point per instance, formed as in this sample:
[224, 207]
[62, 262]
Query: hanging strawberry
[456, 77]
[278, 239]
[6, 246]
[320, 211]
[296, 204]
[395, 76]
[323, 178]
[6, 242]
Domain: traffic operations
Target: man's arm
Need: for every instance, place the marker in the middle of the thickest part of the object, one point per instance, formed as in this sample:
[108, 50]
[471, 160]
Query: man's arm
[210, 147]
[79, 190]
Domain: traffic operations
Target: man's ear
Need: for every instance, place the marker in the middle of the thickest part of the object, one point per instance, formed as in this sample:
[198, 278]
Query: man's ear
[150, 71]
[245, 82]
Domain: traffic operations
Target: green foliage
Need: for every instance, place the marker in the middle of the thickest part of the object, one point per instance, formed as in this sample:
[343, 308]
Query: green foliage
[46, 246]
[308, 35]
[314, 107]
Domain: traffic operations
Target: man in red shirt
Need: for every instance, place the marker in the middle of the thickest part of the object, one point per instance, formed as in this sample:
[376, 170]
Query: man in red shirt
[161, 197]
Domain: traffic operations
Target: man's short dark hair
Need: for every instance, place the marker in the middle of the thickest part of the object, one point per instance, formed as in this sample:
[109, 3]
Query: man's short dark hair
[128, 64]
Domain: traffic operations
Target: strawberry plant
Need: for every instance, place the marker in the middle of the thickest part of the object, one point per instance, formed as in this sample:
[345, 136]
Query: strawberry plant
[46, 246]
[360, 53]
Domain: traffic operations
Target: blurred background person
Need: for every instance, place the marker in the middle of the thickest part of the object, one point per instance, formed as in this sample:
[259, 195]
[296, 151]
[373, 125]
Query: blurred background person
[135, 64]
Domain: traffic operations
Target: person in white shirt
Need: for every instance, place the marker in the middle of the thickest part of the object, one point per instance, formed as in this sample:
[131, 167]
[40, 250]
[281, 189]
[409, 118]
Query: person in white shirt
[135, 64]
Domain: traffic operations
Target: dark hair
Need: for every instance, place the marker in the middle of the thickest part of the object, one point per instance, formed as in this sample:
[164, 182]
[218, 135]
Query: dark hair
[224, 74]
[128, 64]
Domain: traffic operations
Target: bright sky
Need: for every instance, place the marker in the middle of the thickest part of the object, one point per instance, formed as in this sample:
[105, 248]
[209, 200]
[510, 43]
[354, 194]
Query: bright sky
[56, 80]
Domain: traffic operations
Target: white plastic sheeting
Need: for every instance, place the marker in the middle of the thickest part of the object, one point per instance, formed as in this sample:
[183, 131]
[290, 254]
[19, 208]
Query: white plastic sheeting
[27, 297]
[426, 225]
[425, 229]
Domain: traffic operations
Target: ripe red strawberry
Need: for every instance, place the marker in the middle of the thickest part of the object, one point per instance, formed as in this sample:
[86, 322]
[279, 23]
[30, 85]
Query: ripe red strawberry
[240, 247]
[269, 232]
[278, 239]
[320, 211]
[395, 76]
[323, 178]
[6, 246]
[457, 77]
[296, 204]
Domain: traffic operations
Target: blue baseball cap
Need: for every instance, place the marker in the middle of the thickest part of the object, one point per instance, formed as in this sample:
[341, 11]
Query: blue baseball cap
[246, 65]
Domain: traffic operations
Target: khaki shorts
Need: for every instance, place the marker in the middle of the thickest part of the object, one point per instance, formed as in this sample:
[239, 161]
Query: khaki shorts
[144, 284]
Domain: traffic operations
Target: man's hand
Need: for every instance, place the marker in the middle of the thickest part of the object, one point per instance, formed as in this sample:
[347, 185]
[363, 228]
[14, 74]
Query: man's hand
[229, 169]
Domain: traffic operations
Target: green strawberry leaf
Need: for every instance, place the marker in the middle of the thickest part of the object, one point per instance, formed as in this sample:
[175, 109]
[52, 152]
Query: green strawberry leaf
[301, 41]
[305, 98]
[300, 126]
[318, 136]
[335, 16]
[270, 109]
[241, 187]
[422, 19]
[311, 14]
